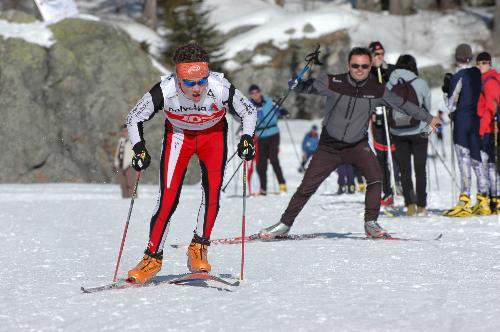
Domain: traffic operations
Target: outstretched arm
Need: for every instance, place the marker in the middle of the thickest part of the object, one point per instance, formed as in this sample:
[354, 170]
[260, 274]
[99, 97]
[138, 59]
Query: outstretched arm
[314, 86]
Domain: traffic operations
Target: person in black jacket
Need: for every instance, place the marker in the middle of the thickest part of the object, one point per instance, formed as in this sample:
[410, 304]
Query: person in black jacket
[351, 99]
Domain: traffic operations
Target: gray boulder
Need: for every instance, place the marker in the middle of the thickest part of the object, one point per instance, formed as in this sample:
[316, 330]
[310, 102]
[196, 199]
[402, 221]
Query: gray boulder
[272, 77]
[62, 106]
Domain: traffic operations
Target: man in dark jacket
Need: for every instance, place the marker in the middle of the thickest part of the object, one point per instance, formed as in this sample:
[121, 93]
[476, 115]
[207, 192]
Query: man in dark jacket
[351, 100]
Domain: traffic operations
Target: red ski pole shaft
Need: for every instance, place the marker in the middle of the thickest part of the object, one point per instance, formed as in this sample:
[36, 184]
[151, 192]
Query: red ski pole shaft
[243, 220]
[134, 194]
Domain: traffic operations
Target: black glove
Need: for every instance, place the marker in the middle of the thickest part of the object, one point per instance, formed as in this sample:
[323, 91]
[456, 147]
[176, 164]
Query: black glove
[284, 113]
[446, 83]
[246, 149]
[141, 159]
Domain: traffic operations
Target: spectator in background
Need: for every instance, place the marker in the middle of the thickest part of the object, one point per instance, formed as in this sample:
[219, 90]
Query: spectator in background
[309, 146]
[408, 139]
[487, 108]
[345, 179]
[360, 179]
[268, 137]
[380, 70]
[463, 94]
[125, 174]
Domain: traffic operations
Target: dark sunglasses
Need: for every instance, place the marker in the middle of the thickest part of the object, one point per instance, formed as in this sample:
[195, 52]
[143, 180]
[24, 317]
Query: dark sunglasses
[378, 53]
[193, 83]
[357, 65]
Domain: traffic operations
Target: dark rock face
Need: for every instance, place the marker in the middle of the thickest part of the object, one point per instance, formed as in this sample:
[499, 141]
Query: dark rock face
[62, 107]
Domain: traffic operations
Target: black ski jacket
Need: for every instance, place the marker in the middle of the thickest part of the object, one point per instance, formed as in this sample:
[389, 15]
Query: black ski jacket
[349, 104]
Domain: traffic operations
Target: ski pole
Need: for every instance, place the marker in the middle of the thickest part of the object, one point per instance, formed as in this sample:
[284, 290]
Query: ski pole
[389, 154]
[452, 160]
[271, 112]
[243, 219]
[134, 194]
[311, 59]
[232, 176]
[453, 178]
[233, 144]
[435, 167]
[293, 143]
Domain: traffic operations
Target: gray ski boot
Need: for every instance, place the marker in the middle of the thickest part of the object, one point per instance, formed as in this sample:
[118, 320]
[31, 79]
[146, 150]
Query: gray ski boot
[275, 230]
[375, 231]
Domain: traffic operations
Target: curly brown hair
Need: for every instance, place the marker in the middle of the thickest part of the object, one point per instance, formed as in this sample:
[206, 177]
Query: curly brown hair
[190, 52]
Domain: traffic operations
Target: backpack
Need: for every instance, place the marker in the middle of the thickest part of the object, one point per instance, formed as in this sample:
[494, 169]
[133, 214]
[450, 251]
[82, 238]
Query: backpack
[399, 120]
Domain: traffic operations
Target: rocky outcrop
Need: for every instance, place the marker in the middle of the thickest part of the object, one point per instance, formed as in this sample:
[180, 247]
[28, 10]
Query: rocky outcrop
[62, 106]
[282, 64]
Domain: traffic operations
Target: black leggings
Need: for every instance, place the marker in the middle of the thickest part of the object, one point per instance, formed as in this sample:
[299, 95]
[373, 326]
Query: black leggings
[325, 161]
[268, 150]
[406, 146]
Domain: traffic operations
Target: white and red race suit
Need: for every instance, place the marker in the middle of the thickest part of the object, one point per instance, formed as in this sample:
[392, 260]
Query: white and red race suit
[190, 128]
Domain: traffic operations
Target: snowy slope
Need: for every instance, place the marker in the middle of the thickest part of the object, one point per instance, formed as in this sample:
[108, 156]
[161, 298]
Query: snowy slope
[58, 237]
[430, 36]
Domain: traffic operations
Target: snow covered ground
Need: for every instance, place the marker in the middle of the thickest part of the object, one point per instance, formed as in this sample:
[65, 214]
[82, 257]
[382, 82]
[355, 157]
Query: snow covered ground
[58, 237]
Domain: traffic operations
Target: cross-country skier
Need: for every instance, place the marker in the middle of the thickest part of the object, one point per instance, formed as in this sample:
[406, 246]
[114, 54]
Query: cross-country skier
[351, 99]
[486, 110]
[195, 101]
[464, 91]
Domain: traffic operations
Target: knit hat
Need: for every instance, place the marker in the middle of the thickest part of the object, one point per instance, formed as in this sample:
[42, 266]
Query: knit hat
[463, 53]
[483, 56]
[375, 46]
[253, 87]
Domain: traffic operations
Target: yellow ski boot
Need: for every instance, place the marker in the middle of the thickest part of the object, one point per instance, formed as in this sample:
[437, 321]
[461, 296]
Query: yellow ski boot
[146, 269]
[421, 211]
[462, 209]
[411, 210]
[482, 206]
[197, 255]
[282, 188]
[495, 205]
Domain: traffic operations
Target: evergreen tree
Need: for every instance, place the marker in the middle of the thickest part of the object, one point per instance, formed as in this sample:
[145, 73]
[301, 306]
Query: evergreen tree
[188, 20]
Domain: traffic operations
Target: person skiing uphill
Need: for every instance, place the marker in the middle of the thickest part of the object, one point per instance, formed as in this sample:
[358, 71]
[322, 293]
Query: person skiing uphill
[351, 100]
[195, 101]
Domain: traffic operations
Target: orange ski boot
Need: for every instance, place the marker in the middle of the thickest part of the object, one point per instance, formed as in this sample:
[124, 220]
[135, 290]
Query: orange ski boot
[146, 269]
[197, 255]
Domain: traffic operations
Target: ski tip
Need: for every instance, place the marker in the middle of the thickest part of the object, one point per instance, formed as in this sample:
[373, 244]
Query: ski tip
[439, 236]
